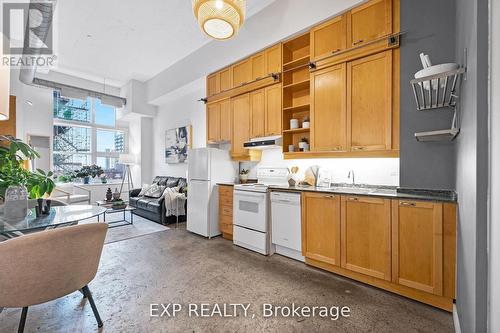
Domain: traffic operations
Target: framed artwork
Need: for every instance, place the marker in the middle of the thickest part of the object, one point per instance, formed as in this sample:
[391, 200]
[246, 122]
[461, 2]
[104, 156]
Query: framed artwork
[177, 143]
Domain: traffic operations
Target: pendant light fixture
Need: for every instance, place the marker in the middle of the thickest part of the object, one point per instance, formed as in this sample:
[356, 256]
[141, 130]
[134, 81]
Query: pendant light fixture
[220, 19]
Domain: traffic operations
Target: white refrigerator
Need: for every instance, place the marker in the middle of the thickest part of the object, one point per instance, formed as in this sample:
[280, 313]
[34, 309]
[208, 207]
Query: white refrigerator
[206, 168]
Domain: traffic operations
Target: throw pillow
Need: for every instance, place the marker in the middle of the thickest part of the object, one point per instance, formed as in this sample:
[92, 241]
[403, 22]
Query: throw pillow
[154, 191]
[143, 190]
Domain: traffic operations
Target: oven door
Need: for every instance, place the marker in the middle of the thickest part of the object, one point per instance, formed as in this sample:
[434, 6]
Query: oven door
[250, 210]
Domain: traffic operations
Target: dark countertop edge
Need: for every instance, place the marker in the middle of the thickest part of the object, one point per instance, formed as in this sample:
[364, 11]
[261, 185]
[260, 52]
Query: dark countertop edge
[428, 196]
[399, 193]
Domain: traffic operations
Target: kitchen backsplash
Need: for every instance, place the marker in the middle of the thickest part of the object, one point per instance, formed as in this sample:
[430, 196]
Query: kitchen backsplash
[374, 171]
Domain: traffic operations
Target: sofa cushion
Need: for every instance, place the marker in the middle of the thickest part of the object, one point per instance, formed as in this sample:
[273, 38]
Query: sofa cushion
[182, 185]
[133, 201]
[154, 191]
[172, 181]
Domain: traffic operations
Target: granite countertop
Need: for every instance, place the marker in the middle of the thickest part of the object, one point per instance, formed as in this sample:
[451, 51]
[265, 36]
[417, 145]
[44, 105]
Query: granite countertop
[378, 191]
[392, 192]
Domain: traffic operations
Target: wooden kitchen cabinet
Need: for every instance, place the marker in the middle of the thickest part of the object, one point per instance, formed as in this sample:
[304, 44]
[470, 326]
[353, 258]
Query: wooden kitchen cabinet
[273, 110]
[321, 227]
[213, 123]
[242, 72]
[273, 59]
[219, 123]
[213, 84]
[225, 78]
[257, 113]
[328, 109]
[369, 21]
[417, 245]
[241, 124]
[225, 120]
[258, 65]
[226, 211]
[369, 102]
[366, 235]
[328, 38]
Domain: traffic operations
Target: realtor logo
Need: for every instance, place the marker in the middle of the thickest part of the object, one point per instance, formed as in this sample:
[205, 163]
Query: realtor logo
[28, 27]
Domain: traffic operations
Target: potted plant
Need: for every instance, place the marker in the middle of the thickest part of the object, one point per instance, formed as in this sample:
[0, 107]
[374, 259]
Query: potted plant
[244, 176]
[89, 171]
[304, 144]
[16, 180]
[103, 178]
[306, 123]
[40, 184]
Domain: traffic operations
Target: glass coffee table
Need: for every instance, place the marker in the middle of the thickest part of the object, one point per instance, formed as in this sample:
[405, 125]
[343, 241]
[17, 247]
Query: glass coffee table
[108, 205]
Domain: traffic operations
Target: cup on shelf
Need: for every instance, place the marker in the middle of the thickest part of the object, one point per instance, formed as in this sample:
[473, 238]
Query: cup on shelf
[294, 123]
[291, 148]
[306, 124]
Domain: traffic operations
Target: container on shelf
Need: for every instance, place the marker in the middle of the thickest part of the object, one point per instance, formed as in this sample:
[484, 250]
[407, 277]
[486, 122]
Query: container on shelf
[291, 148]
[294, 123]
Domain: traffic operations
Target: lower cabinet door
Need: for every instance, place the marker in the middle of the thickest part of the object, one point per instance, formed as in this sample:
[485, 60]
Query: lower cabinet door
[417, 234]
[321, 227]
[366, 235]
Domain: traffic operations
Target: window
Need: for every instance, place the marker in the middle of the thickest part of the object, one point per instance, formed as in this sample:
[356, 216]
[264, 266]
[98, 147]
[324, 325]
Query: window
[85, 133]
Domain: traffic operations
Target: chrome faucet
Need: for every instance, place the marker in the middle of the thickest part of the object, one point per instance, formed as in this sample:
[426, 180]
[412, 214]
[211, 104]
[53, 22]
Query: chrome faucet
[351, 173]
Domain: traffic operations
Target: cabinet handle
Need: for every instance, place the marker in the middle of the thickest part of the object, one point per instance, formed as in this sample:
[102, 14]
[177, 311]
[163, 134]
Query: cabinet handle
[359, 41]
[358, 148]
[337, 148]
[353, 199]
[335, 51]
[329, 196]
[405, 203]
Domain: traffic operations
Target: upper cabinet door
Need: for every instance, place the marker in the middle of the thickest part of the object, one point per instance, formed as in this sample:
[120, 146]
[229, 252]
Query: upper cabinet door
[242, 72]
[273, 110]
[366, 236]
[225, 79]
[369, 102]
[213, 84]
[328, 38]
[417, 245]
[258, 66]
[225, 120]
[213, 123]
[257, 113]
[273, 59]
[369, 21]
[328, 109]
[241, 124]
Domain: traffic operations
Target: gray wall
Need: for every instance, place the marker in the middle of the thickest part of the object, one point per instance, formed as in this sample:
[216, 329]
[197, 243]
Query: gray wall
[430, 27]
[472, 167]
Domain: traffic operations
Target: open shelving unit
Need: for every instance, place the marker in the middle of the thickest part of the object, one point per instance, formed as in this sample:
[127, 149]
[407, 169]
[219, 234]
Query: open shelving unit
[296, 89]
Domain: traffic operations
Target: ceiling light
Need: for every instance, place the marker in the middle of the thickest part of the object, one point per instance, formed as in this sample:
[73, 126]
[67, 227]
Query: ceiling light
[220, 19]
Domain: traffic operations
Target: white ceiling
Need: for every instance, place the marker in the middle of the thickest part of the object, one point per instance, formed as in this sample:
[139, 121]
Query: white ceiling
[119, 40]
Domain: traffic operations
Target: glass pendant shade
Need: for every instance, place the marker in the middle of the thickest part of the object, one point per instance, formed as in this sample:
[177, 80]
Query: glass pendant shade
[220, 19]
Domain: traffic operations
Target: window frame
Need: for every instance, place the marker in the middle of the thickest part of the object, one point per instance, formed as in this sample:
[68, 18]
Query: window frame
[94, 127]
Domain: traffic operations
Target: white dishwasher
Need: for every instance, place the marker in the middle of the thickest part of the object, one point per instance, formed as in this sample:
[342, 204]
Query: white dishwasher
[286, 224]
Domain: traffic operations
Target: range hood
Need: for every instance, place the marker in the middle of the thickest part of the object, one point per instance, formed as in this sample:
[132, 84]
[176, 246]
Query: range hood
[268, 142]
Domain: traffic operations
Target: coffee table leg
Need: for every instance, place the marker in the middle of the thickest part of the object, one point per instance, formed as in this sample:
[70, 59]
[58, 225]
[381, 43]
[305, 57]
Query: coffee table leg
[104, 216]
[131, 217]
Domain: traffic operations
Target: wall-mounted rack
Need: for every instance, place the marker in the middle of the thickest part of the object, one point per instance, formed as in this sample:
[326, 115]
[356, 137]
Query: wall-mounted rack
[435, 92]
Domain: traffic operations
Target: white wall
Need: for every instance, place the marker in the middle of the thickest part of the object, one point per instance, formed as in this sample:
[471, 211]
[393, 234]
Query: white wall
[494, 226]
[373, 171]
[181, 108]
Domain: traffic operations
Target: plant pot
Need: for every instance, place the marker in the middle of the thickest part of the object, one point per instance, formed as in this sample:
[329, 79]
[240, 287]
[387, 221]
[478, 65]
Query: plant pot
[46, 209]
[86, 180]
[243, 179]
[303, 146]
[104, 181]
[39, 207]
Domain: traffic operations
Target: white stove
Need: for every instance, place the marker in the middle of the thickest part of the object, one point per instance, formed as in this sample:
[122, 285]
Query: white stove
[266, 177]
[251, 227]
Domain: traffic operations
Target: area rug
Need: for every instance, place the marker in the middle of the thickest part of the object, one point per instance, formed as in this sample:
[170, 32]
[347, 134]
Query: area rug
[141, 227]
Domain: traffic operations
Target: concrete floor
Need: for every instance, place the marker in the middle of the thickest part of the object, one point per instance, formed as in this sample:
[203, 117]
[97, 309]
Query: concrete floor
[175, 266]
